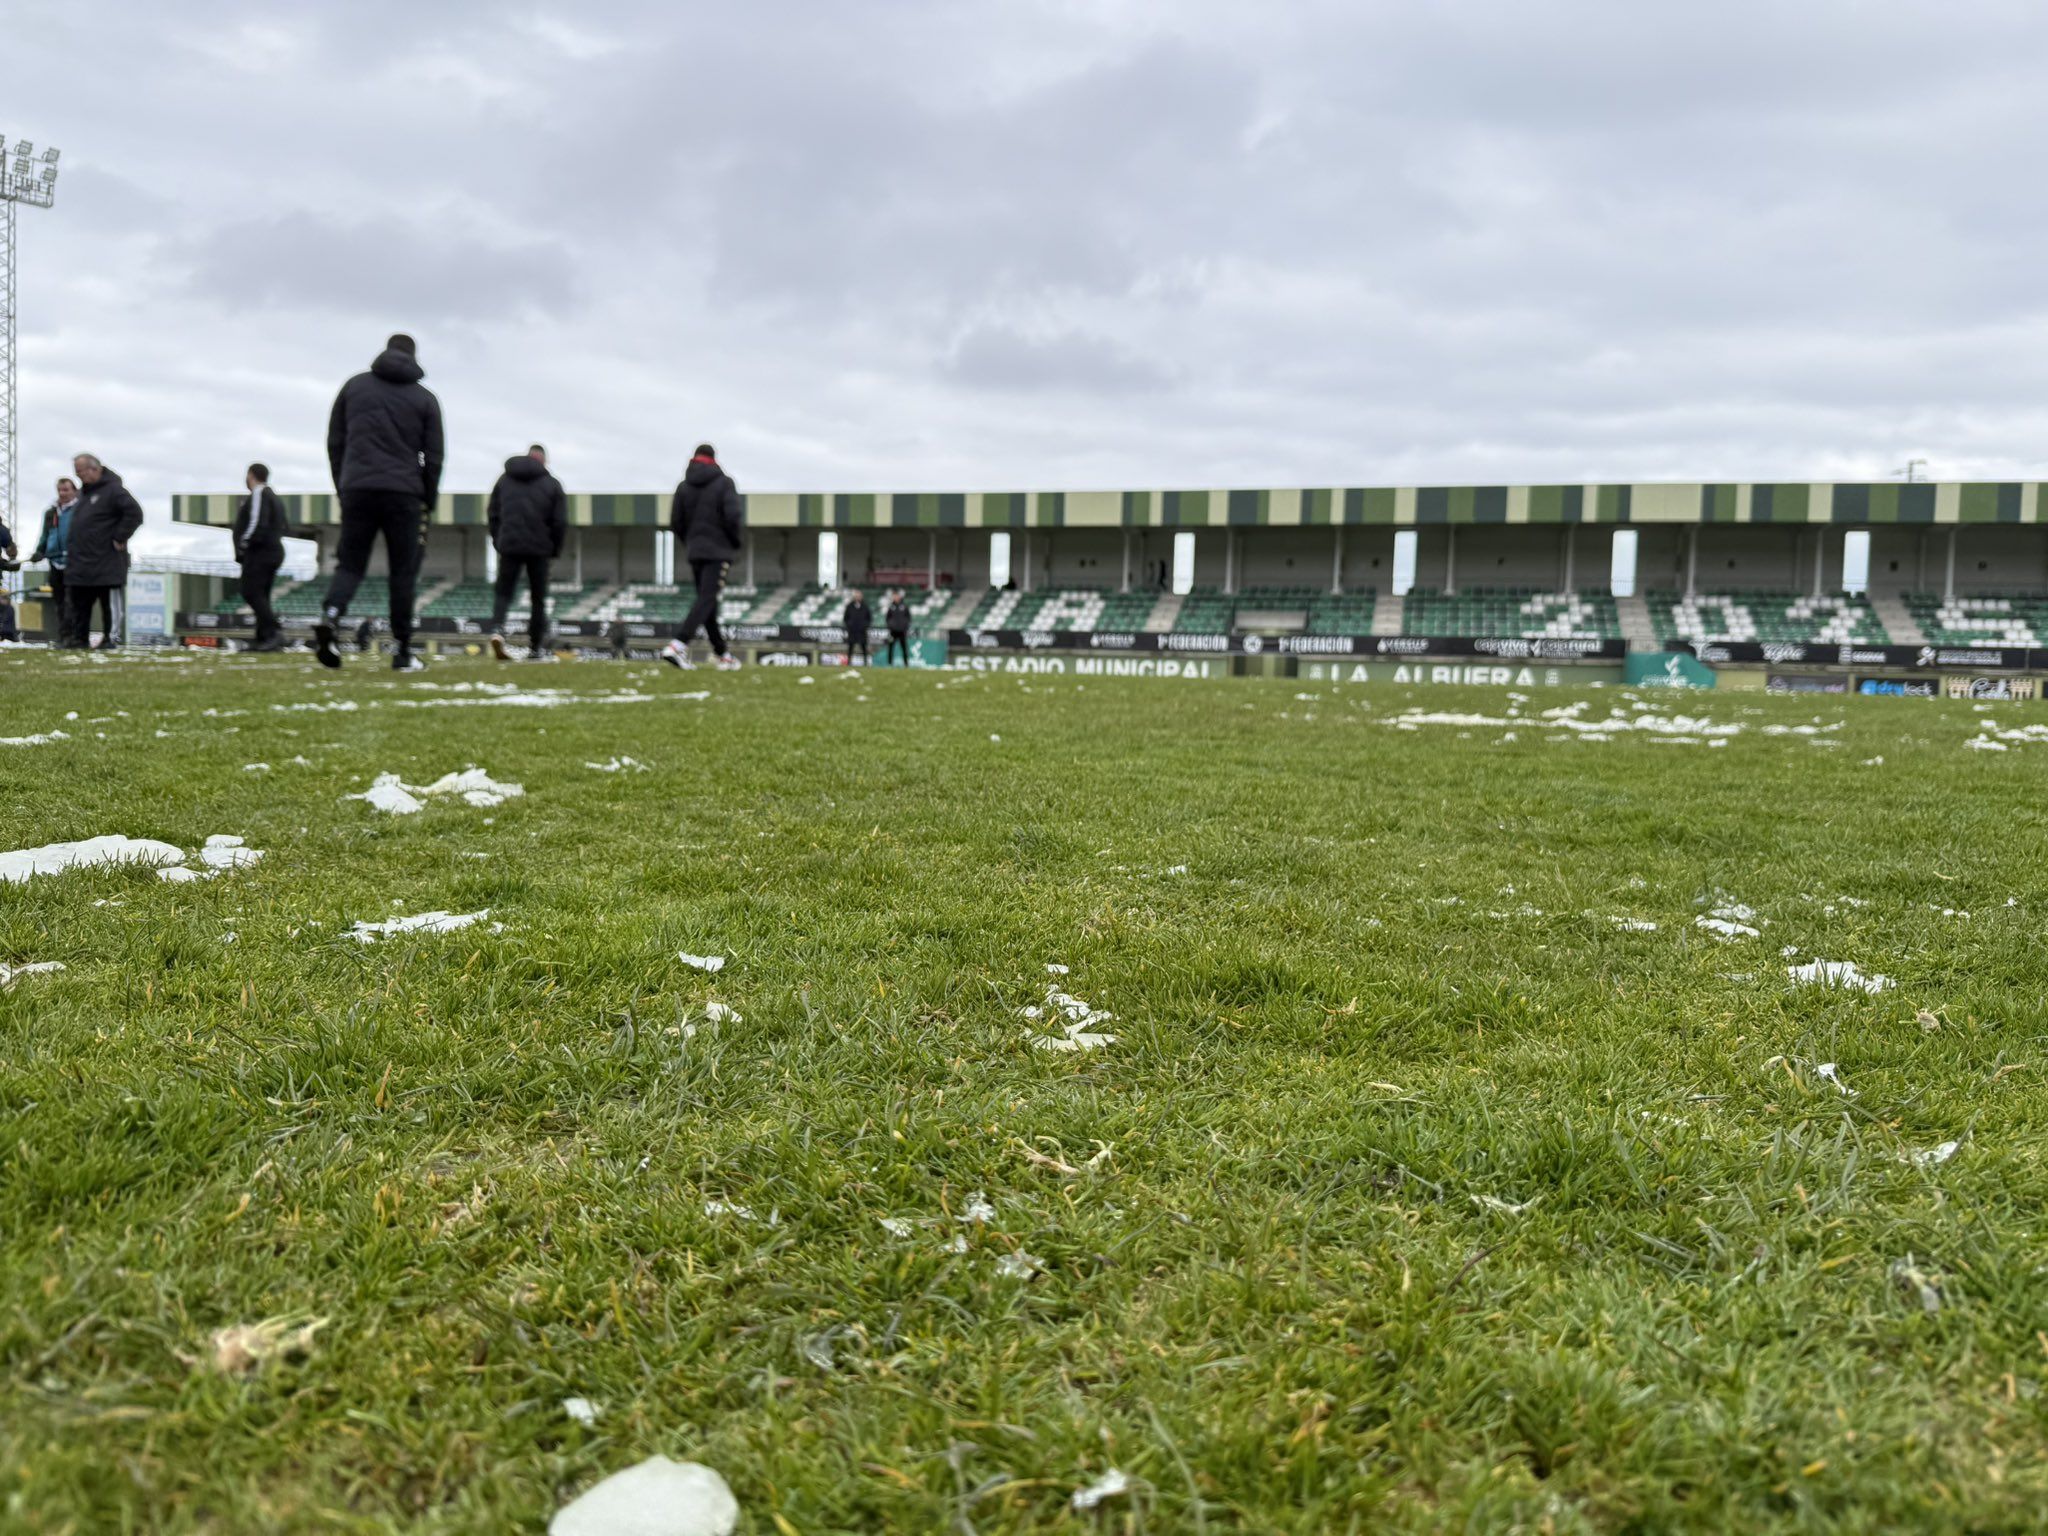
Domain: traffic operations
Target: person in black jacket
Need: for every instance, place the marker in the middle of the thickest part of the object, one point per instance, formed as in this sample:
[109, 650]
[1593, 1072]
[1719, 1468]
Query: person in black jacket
[259, 550]
[857, 618]
[10, 626]
[96, 554]
[384, 444]
[897, 619]
[711, 525]
[529, 521]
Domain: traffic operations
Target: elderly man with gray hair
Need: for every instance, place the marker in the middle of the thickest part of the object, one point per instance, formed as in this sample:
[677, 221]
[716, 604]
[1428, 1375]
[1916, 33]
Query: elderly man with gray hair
[104, 518]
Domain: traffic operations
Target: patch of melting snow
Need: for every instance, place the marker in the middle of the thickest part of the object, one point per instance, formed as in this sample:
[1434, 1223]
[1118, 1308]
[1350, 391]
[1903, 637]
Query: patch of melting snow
[977, 1210]
[8, 973]
[581, 1409]
[1506, 1207]
[1836, 973]
[1633, 924]
[1019, 1265]
[898, 1226]
[1106, 1487]
[56, 858]
[619, 765]
[40, 739]
[1827, 1071]
[1931, 1157]
[390, 794]
[658, 1497]
[1080, 1020]
[703, 962]
[1725, 929]
[423, 922]
[255, 767]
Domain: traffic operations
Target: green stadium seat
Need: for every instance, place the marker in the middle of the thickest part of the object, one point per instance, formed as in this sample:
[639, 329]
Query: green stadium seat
[1764, 618]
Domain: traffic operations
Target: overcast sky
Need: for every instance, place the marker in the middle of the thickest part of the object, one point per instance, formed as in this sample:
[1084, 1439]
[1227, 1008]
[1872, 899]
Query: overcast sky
[914, 244]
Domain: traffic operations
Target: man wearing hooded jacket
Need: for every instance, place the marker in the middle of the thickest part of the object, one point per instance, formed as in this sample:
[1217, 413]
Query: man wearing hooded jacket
[529, 518]
[259, 550]
[711, 525]
[385, 445]
[103, 519]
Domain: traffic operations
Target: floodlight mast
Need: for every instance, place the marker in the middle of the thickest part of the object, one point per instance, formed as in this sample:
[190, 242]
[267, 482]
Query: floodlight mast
[25, 177]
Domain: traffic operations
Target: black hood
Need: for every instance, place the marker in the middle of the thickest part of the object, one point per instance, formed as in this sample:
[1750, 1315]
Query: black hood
[524, 466]
[396, 367]
[701, 473]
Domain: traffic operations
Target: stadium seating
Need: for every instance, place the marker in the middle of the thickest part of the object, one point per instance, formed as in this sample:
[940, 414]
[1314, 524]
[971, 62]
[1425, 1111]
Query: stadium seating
[1206, 611]
[1516, 613]
[1771, 618]
[1980, 620]
[816, 605]
[651, 602]
[1063, 608]
[1348, 613]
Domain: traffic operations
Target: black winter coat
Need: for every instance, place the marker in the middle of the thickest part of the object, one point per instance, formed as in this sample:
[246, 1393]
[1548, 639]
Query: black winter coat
[898, 618]
[385, 431]
[104, 515]
[707, 517]
[529, 514]
[259, 541]
[857, 618]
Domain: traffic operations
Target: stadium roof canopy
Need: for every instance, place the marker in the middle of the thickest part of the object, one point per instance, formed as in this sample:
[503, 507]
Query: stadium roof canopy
[1842, 502]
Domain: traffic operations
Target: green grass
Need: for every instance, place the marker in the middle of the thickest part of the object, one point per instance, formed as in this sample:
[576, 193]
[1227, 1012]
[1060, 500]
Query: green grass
[1286, 1300]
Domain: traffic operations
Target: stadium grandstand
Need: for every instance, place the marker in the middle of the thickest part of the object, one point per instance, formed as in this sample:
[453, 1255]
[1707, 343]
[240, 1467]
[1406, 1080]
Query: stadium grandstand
[1845, 575]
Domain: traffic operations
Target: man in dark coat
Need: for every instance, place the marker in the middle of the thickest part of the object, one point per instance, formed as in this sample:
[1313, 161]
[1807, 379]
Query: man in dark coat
[711, 525]
[897, 619]
[10, 627]
[384, 444]
[857, 618]
[259, 550]
[50, 547]
[96, 554]
[529, 521]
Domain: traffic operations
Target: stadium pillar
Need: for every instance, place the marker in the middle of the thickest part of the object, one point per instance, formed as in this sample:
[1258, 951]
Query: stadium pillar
[1450, 560]
[1024, 538]
[1820, 559]
[1229, 561]
[1692, 560]
[579, 557]
[1570, 540]
[1948, 579]
[750, 562]
[1125, 585]
[931, 561]
[1337, 561]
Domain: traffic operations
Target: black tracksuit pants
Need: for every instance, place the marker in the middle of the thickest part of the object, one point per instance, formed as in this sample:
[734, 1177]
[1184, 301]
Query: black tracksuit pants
[703, 614]
[535, 569]
[857, 640]
[257, 580]
[897, 644]
[400, 517]
[82, 601]
[58, 624]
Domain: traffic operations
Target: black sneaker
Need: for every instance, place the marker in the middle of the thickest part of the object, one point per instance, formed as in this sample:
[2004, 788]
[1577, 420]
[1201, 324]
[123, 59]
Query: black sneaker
[407, 660]
[327, 640]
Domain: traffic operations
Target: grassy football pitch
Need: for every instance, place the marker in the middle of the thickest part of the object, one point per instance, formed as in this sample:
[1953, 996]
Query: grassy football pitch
[1421, 1183]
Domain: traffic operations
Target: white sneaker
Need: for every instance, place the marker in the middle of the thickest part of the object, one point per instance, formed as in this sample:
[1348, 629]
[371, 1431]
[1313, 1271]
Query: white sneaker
[499, 648]
[677, 655]
[728, 663]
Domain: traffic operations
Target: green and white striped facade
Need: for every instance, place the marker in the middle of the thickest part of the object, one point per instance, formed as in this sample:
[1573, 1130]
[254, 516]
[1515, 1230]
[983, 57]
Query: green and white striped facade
[1838, 503]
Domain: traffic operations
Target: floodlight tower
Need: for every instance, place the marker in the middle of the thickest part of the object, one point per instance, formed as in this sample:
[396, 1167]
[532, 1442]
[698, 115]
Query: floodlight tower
[28, 178]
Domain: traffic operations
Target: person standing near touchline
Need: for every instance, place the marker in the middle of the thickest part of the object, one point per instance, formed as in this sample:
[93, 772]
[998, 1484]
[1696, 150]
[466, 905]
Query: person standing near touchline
[259, 550]
[897, 618]
[385, 445]
[857, 618]
[529, 519]
[96, 554]
[50, 546]
[711, 525]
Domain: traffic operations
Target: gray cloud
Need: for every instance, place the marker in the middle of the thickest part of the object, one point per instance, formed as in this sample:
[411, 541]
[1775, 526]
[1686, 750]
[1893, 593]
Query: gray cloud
[302, 261]
[1323, 241]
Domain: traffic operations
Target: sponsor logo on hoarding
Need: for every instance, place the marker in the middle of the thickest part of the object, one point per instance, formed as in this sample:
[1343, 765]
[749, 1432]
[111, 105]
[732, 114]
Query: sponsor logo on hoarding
[1178, 642]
